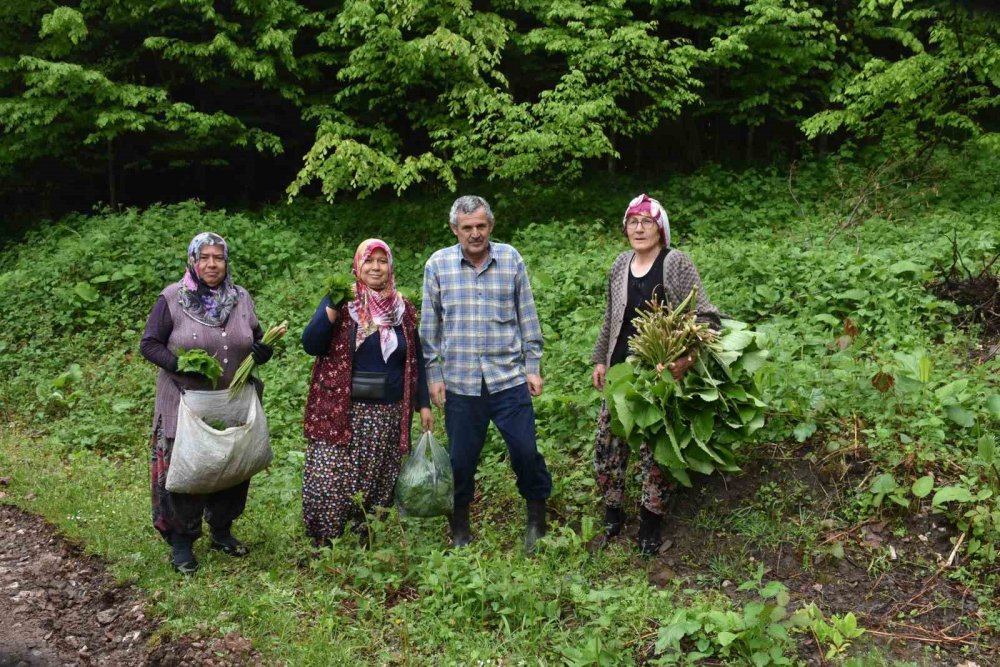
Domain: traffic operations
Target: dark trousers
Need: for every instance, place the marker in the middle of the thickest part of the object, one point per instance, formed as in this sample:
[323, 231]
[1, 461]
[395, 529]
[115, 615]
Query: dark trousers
[466, 419]
[220, 509]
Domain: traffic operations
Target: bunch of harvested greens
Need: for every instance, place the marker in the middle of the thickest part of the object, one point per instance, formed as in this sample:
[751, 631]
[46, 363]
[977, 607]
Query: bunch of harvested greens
[271, 336]
[693, 423]
[340, 287]
[199, 361]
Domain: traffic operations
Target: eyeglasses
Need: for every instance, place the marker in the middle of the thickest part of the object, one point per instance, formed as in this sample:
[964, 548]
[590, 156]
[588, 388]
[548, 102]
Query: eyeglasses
[645, 223]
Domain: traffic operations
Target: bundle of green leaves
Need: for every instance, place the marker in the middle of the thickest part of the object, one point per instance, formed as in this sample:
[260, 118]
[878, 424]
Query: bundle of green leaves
[271, 336]
[693, 423]
[340, 287]
[199, 361]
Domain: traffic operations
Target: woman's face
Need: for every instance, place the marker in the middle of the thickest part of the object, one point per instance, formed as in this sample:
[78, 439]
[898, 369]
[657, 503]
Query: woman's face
[643, 233]
[212, 265]
[375, 270]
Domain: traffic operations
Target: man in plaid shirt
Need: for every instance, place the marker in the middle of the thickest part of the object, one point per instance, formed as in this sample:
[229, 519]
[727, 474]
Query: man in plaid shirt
[483, 346]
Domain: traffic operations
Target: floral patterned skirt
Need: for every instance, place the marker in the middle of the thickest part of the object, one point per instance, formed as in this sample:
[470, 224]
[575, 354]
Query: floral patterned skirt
[611, 455]
[368, 465]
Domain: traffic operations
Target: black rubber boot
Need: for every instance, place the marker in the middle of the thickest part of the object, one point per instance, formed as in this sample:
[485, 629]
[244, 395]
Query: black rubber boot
[460, 535]
[614, 519]
[649, 532]
[182, 556]
[223, 540]
[536, 525]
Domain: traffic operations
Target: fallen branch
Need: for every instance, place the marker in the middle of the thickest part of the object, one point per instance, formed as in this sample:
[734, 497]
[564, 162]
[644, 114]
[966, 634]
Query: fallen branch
[945, 639]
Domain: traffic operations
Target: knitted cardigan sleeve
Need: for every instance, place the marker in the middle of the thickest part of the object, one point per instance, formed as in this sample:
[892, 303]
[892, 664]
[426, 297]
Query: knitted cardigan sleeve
[602, 346]
[679, 277]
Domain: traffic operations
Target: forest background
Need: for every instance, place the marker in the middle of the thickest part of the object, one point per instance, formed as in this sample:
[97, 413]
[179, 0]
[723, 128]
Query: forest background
[830, 165]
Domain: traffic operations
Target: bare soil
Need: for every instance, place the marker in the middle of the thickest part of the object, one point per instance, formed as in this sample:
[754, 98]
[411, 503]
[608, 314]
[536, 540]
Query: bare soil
[893, 573]
[979, 296]
[60, 607]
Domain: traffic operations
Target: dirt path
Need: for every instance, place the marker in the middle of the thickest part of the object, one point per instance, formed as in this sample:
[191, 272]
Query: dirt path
[59, 607]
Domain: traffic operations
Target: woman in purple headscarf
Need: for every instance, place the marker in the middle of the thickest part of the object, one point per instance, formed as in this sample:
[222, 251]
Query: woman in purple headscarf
[650, 268]
[202, 310]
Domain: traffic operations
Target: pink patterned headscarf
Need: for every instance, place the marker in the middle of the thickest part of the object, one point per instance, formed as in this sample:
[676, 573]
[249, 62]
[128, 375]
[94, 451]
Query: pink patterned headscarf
[376, 310]
[646, 205]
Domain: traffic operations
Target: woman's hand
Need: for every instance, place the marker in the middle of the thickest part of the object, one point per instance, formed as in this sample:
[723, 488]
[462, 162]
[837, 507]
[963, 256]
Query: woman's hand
[426, 420]
[331, 314]
[679, 366]
[261, 353]
[600, 372]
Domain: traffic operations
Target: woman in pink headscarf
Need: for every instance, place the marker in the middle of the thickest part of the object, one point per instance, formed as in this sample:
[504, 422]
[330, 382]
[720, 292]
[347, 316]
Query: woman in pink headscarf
[367, 381]
[650, 268]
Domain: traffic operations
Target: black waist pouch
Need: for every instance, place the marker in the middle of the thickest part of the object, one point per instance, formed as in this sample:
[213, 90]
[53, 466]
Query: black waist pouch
[369, 386]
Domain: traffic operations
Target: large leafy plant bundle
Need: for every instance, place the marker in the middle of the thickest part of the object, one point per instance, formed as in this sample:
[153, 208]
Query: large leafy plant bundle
[693, 423]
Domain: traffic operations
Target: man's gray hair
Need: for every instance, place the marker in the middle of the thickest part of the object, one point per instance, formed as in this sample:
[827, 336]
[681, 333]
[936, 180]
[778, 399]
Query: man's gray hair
[469, 204]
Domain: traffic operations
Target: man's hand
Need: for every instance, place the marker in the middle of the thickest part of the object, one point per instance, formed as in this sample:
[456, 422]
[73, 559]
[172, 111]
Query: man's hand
[426, 420]
[600, 372]
[535, 384]
[437, 393]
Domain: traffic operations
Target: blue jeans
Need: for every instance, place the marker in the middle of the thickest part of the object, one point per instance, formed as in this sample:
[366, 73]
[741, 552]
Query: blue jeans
[466, 419]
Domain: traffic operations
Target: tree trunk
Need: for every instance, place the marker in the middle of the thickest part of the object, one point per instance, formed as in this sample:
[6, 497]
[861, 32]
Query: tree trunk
[112, 186]
[610, 160]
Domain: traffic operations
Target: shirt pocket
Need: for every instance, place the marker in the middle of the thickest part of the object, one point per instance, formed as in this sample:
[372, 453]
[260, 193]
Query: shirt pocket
[503, 311]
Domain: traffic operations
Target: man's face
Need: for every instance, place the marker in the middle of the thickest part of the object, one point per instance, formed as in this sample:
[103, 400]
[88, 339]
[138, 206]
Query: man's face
[473, 232]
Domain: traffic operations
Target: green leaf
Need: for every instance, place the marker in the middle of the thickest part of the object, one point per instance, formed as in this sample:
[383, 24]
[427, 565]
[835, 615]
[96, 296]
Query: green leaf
[856, 294]
[951, 389]
[804, 430]
[735, 341]
[884, 483]
[987, 449]
[906, 267]
[960, 416]
[86, 292]
[703, 425]
[828, 319]
[922, 486]
[949, 494]
[993, 406]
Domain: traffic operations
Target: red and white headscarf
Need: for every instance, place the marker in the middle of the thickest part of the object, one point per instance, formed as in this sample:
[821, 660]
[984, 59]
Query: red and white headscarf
[646, 205]
[376, 310]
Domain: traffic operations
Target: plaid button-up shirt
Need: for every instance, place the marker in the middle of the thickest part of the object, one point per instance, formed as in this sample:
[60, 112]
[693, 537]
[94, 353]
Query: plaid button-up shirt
[481, 323]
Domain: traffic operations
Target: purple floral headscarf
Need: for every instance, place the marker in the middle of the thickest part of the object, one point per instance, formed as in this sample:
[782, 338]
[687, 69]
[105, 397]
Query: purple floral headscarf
[209, 305]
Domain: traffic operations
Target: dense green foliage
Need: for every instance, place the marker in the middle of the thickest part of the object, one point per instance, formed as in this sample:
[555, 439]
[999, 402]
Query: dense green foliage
[839, 308]
[248, 98]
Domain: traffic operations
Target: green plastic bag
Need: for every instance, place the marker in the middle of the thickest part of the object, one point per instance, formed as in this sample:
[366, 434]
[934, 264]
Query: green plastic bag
[426, 486]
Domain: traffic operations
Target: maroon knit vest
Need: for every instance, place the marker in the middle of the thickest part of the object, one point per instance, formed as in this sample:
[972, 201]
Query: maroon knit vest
[328, 406]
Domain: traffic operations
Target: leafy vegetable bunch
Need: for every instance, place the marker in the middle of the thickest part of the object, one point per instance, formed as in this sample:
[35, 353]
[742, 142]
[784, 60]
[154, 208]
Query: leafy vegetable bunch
[340, 287]
[271, 336]
[693, 423]
[199, 361]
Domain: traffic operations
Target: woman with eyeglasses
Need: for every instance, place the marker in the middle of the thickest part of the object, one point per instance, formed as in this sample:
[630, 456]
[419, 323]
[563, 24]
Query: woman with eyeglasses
[650, 268]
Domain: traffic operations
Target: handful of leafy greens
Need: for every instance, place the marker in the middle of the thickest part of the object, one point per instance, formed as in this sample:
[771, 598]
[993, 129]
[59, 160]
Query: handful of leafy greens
[340, 287]
[693, 423]
[199, 361]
